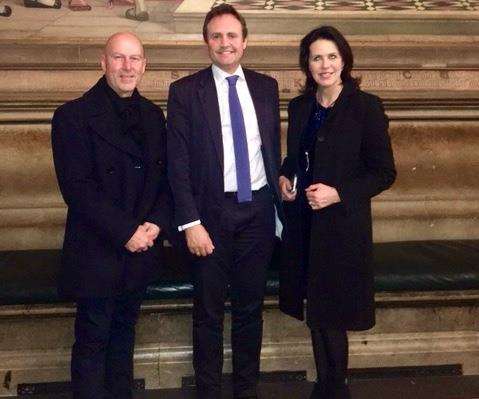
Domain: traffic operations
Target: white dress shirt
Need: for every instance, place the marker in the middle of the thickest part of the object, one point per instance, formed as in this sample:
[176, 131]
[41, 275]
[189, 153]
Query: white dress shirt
[253, 138]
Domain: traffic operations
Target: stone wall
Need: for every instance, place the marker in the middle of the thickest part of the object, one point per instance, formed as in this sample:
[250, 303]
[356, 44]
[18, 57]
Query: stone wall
[430, 87]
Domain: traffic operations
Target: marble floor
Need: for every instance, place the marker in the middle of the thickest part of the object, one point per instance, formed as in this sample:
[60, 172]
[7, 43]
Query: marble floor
[353, 5]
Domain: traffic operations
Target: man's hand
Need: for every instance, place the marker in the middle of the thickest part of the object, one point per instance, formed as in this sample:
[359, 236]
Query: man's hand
[320, 196]
[140, 241]
[152, 230]
[199, 241]
[286, 187]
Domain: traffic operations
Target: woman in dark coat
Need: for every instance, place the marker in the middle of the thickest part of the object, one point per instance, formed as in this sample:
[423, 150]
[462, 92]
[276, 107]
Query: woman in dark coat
[339, 154]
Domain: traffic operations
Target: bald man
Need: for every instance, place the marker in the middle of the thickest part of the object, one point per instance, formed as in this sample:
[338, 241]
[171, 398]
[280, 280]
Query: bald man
[109, 152]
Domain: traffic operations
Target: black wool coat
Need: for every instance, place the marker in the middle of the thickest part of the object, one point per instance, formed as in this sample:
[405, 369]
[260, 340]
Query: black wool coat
[110, 187]
[353, 154]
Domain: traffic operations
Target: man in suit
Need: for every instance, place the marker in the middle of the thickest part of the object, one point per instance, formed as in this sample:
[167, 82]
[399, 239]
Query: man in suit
[109, 150]
[223, 160]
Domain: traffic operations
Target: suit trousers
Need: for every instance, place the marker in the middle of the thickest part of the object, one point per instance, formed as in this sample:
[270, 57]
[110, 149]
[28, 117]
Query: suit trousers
[102, 355]
[244, 243]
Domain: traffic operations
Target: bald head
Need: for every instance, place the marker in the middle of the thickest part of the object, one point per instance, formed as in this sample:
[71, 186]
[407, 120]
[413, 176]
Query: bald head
[122, 38]
[123, 62]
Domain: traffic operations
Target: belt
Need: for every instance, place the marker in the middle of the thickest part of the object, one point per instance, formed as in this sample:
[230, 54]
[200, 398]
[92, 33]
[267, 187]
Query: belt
[234, 194]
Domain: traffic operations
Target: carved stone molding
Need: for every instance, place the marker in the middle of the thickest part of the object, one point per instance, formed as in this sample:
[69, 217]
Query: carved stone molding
[44, 87]
[263, 52]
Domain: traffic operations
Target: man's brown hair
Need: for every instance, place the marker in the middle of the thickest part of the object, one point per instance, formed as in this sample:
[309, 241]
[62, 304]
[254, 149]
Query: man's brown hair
[224, 9]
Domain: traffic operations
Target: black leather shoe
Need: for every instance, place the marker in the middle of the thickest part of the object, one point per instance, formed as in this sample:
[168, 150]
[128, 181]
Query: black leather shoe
[38, 4]
[341, 392]
[320, 391]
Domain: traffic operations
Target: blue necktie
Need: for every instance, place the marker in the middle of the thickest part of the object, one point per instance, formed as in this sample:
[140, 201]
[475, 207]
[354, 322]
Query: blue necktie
[240, 144]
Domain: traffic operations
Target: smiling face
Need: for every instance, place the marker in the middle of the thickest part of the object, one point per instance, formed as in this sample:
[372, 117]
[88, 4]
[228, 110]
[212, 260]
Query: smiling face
[225, 42]
[123, 63]
[325, 63]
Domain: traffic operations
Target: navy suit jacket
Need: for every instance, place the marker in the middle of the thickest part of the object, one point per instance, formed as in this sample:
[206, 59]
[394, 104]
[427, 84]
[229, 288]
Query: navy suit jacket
[195, 148]
[110, 187]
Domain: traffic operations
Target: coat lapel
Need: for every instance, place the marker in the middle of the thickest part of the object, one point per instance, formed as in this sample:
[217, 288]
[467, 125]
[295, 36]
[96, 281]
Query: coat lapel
[301, 119]
[209, 101]
[102, 119]
[338, 108]
[152, 155]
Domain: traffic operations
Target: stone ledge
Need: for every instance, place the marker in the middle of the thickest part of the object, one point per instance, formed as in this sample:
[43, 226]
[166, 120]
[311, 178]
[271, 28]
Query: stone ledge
[383, 300]
[413, 105]
[270, 52]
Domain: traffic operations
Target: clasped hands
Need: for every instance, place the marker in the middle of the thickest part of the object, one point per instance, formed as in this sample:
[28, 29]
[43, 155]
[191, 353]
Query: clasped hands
[143, 238]
[319, 195]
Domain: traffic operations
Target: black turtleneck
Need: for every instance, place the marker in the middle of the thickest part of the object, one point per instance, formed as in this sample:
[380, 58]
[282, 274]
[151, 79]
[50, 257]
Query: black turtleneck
[128, 110]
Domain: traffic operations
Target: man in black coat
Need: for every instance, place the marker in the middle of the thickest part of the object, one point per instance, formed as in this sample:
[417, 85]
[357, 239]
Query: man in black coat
[109, 150]
[230, 237]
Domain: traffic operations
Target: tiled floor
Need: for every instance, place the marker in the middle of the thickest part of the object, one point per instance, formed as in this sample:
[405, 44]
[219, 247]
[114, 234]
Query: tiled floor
[391, 388]
[358, 5]
[101, 21]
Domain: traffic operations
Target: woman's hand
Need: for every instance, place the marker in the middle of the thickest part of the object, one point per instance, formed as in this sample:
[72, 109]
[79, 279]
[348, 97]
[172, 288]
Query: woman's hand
[285, 186]
[320, 196]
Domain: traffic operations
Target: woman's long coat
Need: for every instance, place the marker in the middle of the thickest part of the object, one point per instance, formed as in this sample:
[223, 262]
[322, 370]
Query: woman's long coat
[353, 154]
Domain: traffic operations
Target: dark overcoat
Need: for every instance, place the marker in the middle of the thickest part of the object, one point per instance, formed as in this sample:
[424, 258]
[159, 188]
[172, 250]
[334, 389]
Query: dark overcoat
[195, 144]
[110, 187]
[353, 154]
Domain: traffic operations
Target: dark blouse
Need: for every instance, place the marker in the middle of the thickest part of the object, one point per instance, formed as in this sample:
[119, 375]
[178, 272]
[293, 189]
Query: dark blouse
[308, 143]
[305, 173]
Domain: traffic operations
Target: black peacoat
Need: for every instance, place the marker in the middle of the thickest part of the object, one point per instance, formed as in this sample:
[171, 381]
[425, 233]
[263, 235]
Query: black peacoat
[353, 154]
[110, 187]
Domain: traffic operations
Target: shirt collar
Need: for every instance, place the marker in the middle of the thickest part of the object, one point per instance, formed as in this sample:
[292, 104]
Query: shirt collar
[220, 76]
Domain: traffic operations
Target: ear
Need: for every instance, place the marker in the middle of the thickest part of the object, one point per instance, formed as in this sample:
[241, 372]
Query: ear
[245, 42]
[144, 65]
[103, 62]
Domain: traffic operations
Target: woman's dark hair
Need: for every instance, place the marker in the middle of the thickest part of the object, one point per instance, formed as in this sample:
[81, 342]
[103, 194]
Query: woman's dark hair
[224, 9]
[332, 34]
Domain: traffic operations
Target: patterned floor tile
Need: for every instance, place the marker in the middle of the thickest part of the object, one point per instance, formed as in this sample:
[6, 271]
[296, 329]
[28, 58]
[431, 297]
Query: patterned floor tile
[355, 5]
[440, 5]
[395, 5]
[243, 4]
[295, 5]
[346, 5]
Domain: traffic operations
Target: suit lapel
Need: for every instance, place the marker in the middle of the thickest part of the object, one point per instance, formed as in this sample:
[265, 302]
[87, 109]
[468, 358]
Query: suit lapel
[102, 119]
[209, 101]
[261, 109]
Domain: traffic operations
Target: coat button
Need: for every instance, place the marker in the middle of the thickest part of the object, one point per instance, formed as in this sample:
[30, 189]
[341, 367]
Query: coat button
[321, 138]
[138, 166]
[110, 170]
[159, 162]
